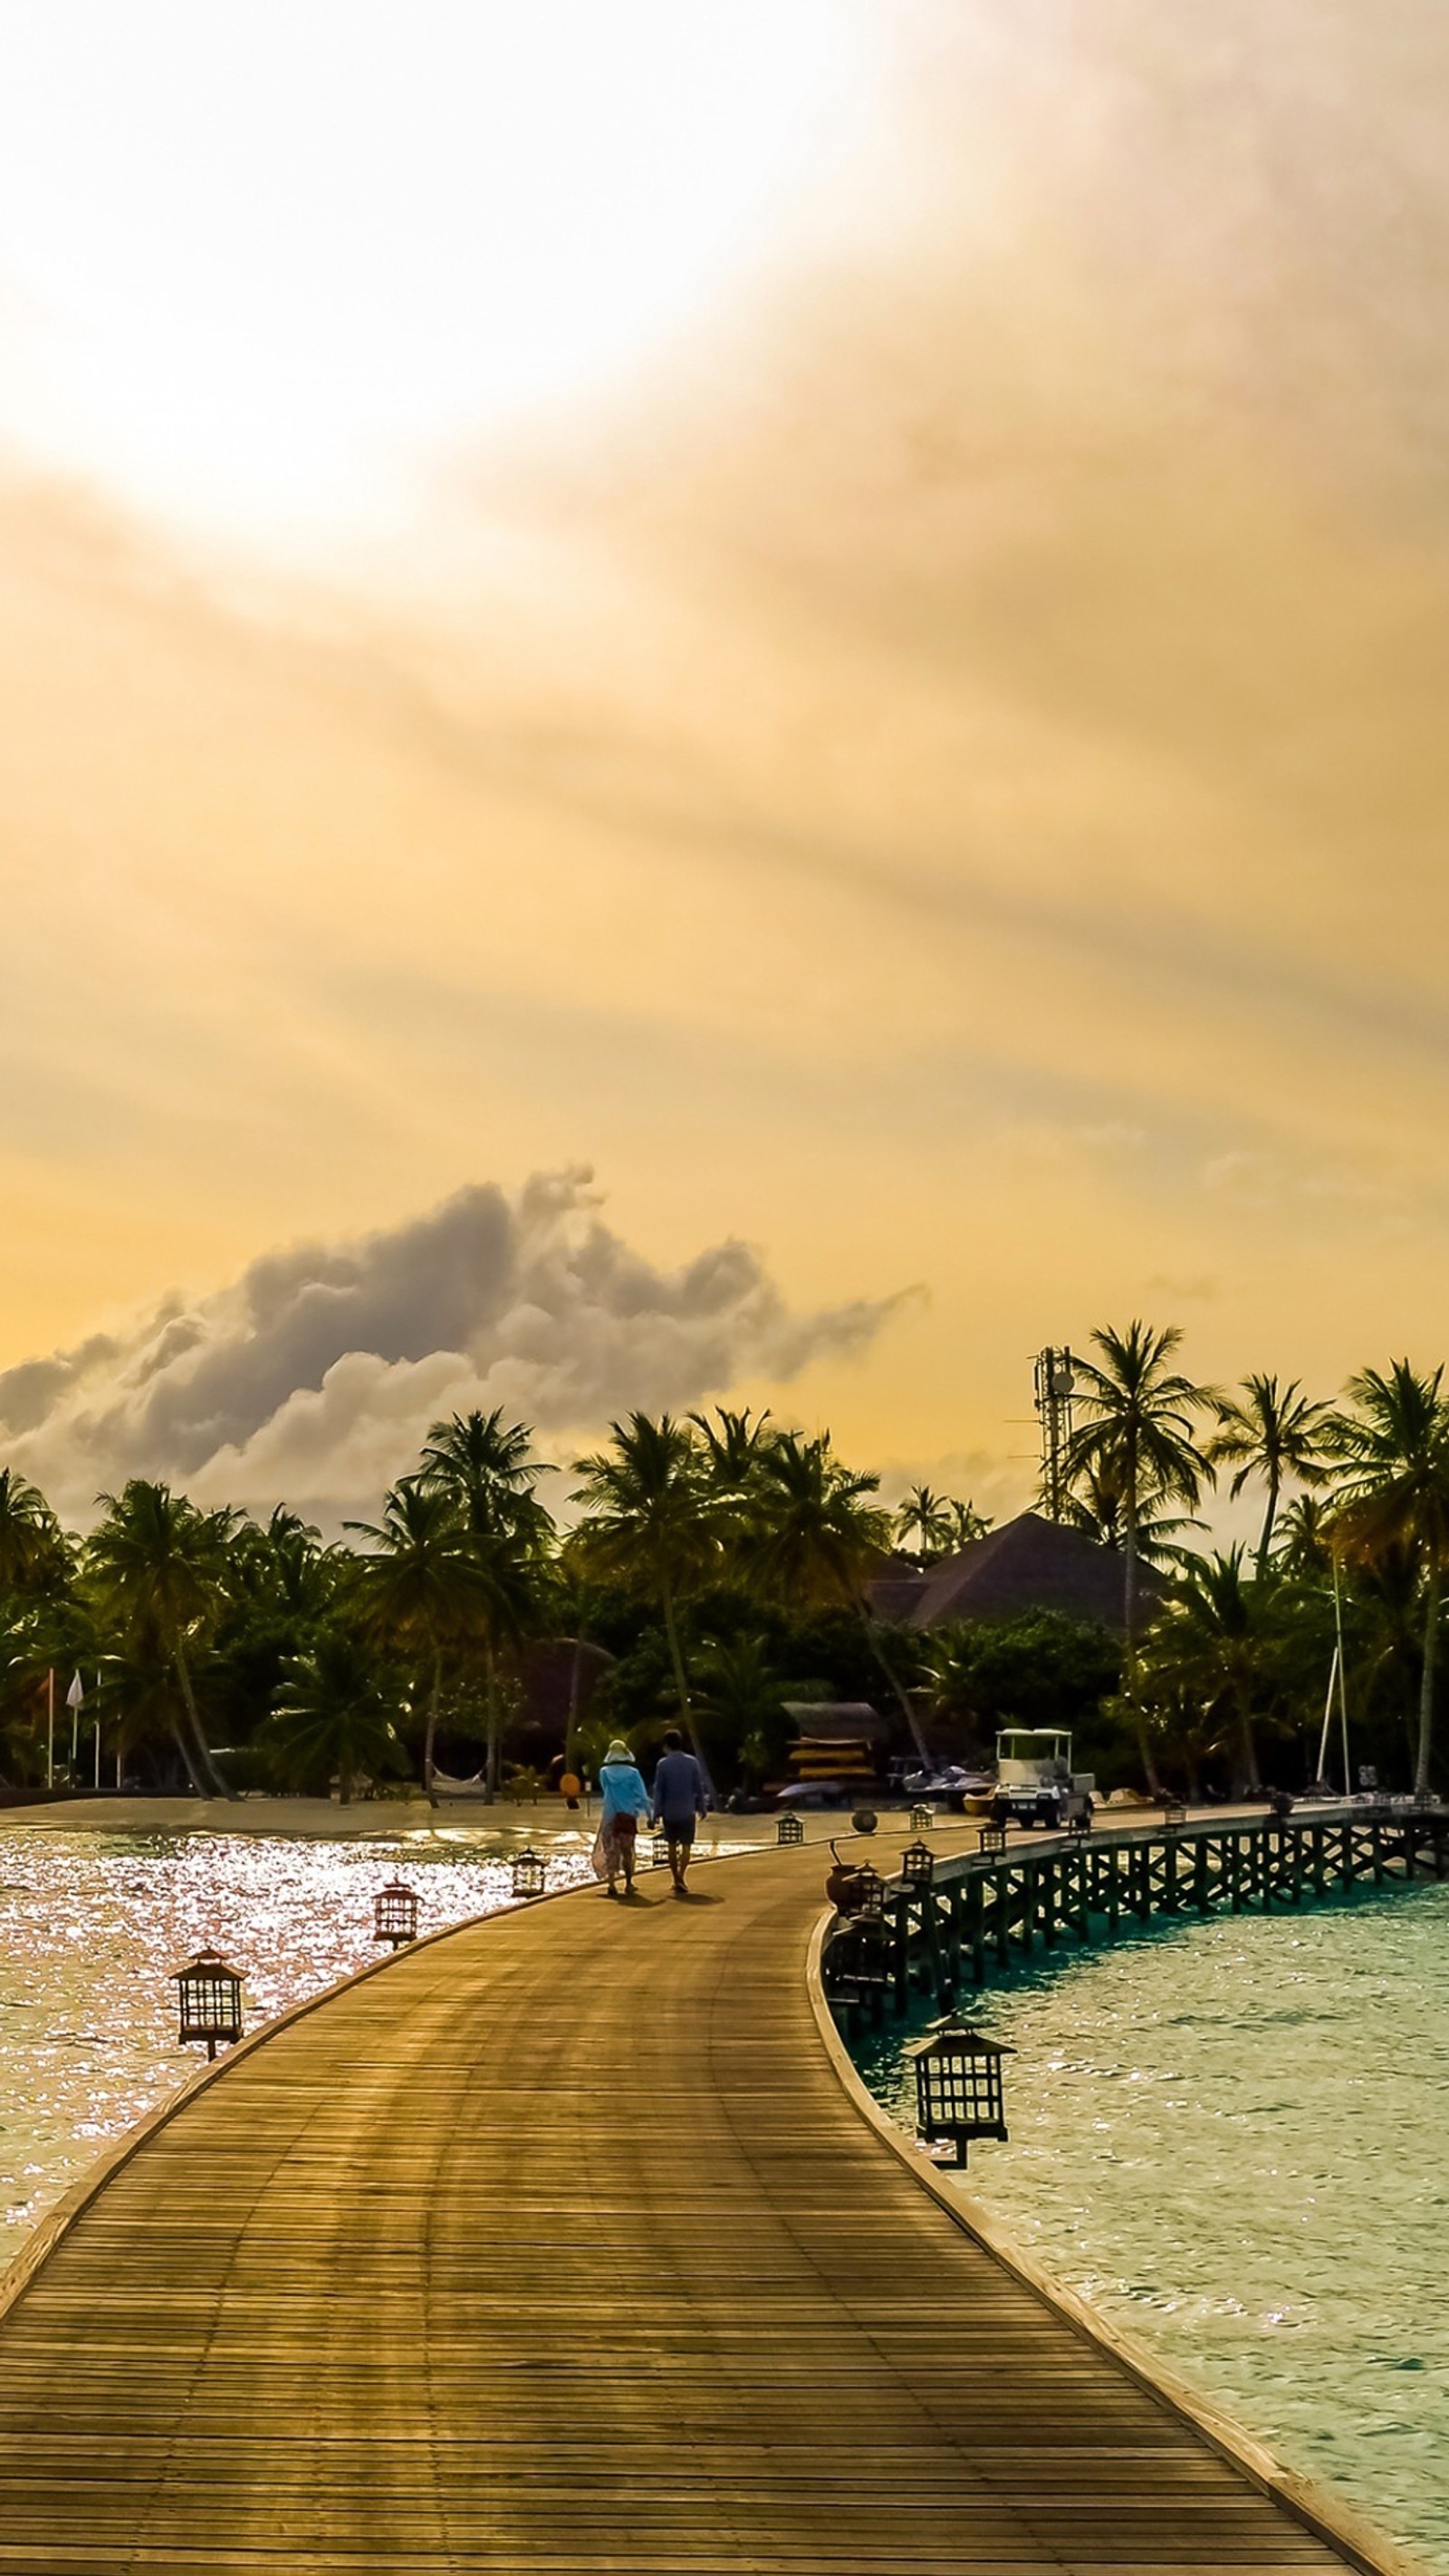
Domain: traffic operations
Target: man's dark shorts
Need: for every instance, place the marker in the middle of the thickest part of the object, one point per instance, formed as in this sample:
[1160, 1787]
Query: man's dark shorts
[678, 1829]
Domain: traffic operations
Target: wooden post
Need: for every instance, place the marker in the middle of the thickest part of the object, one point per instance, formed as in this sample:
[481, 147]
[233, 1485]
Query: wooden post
[1318, 1860]
[1000, 1882]
[1142, 1863]
[976, 1927]
[1376, 1836]
[1234, 1857]
[1113, 1889]
[1200, 1875]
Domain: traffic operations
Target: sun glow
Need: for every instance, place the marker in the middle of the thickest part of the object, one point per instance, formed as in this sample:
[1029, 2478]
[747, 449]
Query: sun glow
[254, 261]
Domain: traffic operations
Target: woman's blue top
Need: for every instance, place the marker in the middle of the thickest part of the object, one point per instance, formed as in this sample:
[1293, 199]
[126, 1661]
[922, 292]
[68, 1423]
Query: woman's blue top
[624, 1790]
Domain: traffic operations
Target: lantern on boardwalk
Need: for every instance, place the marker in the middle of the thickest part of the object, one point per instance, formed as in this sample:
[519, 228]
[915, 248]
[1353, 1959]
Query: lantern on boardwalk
[789, 1828]
[659, 1851]
[922, 1819]
[858, 1962]
[1174, 1815]
[869, 1891]
[958, 2088]
[209, 2001]
[991, 1838]
[395, 1914]
[530, 1874]
[918, 1864]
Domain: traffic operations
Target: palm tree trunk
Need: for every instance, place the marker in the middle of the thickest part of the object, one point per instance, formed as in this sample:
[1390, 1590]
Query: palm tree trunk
[1249, 1748]
[1426, 1687]
[1129, 1628]
[188, 1760]
[681, 1678]
[902, 1695]
[1269, 1517]
[216, 1786]
[490, 1709]
[435, 1700]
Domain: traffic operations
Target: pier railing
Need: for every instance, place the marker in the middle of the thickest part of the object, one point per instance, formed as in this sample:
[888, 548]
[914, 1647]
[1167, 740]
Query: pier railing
[947, 1922]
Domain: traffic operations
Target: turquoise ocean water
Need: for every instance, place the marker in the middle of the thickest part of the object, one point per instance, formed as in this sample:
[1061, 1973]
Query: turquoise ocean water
[1233, 2138]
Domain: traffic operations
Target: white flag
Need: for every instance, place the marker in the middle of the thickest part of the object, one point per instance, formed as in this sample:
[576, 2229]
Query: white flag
[76, 1692]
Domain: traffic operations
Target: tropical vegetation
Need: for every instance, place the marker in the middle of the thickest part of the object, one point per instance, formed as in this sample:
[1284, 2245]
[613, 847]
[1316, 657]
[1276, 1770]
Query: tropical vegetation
[501, 1618]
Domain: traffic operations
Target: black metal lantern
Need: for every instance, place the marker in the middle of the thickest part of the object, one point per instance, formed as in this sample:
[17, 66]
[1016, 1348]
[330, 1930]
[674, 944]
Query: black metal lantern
[991, 1838]
[1174, 1815]
[918, 1864]
[958, 2088]
[858, 1966]
[659, 1851]
[530, 1874]
[209, 2000]
[922, 1819]
[789, 1828]
[869, 1890]
[395, 1914]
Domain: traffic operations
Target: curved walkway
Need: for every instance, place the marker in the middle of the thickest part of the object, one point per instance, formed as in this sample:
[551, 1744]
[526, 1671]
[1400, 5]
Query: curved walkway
[557, 2248]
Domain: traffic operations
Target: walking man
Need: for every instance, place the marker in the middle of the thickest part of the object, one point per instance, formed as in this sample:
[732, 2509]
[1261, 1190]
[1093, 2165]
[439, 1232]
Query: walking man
[680, 1799]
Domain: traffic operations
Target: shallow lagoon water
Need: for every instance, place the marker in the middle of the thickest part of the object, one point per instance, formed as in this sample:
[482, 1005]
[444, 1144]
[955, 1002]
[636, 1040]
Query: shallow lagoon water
[93, 1924]
[1233, 2138]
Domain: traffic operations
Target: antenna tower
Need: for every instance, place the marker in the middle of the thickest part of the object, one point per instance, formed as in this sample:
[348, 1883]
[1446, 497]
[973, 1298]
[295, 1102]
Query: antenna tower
[1055, 1382]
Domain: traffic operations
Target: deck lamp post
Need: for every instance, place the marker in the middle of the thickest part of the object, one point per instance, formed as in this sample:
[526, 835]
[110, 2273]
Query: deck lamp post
[858, 1962]
[530, 1874]
[1174, 1815]
[395, 1914]
[918, 1864]
[789, 1828]
[209, 2001]
[991, 1838]
[922, 1819]
[869, 1890]
[958, 2088]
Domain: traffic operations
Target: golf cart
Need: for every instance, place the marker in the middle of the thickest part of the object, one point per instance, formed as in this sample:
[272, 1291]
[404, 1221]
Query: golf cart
[1035, 1782]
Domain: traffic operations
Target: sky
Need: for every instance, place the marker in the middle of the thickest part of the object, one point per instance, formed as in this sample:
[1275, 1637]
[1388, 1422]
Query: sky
[765, 681]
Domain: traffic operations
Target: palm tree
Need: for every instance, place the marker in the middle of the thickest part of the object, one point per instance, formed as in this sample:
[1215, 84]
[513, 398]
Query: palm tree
[1394, 1453]
[31, 1547]
[331, 1714]
[420, 1584]
[1097, 1509]
[925, 1516]
[484, 1466]
[652, 1522]
[1272, 1435]
[813, 1540]
[965, 1522]
[1210, 1638]
[734, 1444]
[1138, 1439]
[743, 1693]
[158, 1567]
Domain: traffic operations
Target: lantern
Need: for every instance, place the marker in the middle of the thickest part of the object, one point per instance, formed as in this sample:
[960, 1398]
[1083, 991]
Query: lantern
[958, 2088]
[858, 1962]
[789, 1828]
[530, 1874]
[395, 1914]
[869, 1890]
[918, 1864]
[209, 2000]
[1174, 1815]
[922, 1819]
[991, 1838]
[659, 1851]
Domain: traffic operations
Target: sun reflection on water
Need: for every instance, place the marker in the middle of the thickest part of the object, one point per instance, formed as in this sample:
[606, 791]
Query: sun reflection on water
[92, 1927]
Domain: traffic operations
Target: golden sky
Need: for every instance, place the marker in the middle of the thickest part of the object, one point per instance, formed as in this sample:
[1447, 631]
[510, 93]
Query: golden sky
[837, 612]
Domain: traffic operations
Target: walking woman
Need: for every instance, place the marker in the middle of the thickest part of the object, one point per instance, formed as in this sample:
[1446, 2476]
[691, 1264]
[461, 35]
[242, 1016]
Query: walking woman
[625, 1800]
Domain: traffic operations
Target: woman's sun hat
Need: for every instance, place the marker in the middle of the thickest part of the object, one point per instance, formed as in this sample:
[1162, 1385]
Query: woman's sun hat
[618, 1751]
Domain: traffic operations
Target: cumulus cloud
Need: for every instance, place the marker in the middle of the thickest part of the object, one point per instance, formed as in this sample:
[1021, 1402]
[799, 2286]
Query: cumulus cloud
[311, 1378]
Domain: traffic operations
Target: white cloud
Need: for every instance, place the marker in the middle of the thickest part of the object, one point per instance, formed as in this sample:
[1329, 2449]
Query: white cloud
[311, 1379]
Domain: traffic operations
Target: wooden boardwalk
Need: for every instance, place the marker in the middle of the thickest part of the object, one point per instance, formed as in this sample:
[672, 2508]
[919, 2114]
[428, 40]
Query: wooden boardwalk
[558, 2248]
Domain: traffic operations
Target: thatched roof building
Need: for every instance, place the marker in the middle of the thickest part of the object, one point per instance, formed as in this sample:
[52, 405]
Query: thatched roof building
[1029, 1564]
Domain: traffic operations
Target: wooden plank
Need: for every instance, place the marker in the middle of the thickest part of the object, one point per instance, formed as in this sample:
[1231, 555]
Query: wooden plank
[558, 2248]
